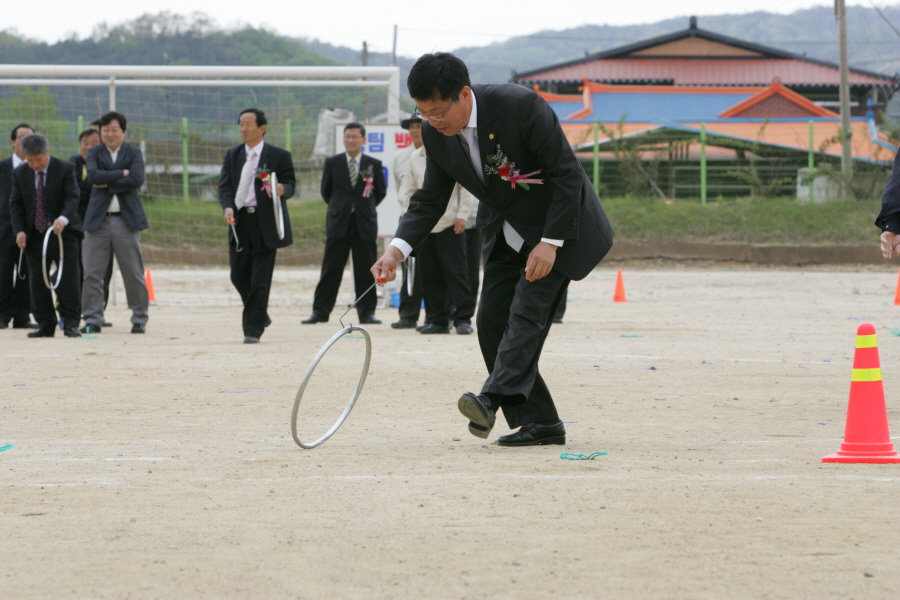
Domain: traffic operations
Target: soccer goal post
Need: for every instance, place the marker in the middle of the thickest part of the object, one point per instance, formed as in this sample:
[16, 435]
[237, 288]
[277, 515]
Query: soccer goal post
[184, 118]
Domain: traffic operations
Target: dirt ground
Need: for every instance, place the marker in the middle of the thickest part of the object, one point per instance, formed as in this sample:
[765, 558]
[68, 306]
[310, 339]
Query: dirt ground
[162, 465]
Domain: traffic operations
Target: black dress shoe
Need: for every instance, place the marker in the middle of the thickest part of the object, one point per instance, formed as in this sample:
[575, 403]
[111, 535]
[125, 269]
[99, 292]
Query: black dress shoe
[91, 329]
[404, 324]
[314, 318]
[48, 331]
[138, 328]
[24, 325]
[251, 339]
[72, 331]
[463, 329]
[4, 325]
[106, 323]
[432, 328]
[534, 434]
[557, 321]
[369, 320]
[477, 409]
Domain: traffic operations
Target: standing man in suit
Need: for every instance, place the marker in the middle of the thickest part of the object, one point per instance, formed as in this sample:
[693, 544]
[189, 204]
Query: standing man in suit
[247, 202]
[113, 224]
[15, 298]
[537, 236]
[352, 186]
[45, 197]
[87, 139]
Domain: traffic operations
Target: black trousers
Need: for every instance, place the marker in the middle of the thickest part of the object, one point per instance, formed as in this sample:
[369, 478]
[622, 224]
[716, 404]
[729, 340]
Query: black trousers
[473, 258]
[68, 293]
[251, 272]
[410, 304]
[337, 251]
[445, 279]
[514, 318]
[15, 296]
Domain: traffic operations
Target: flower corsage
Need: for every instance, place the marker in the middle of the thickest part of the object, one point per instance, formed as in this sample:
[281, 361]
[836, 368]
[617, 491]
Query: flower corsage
[499, 164]
[265, 176]
[368, 178]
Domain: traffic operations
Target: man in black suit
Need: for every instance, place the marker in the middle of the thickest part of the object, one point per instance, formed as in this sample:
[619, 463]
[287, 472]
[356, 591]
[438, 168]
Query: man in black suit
[44, 198]
[113, 224]
[537, 236]
[246, 198]
[352, 186]
[15, 299]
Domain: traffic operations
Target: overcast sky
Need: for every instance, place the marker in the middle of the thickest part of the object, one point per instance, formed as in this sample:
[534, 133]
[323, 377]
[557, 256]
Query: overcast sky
[422, 26]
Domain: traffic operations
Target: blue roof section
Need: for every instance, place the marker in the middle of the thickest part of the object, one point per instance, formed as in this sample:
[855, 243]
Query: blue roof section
[641, 108]
[564, 109]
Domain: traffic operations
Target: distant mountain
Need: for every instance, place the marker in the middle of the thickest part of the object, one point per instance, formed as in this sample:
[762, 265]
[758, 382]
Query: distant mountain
[162, 39]
[166, 38]
[872, 43]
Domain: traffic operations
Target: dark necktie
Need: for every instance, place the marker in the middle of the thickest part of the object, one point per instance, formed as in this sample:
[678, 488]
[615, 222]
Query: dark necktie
[41, 222]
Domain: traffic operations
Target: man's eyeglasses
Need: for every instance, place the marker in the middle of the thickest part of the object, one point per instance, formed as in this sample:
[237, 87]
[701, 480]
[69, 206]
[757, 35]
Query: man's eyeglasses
[437, 118]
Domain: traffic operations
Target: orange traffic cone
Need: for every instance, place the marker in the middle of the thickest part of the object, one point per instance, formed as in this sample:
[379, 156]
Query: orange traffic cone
[867, 437]
[149, 279]
[619, 295]
[897, 293]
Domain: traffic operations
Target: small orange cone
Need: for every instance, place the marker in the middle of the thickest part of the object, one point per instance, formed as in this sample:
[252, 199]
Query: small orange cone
[897, 293]
[619, 295]
[149, 279]
[867, 437]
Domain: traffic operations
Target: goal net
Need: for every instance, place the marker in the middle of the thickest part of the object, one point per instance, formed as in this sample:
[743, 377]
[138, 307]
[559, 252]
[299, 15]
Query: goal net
[185, 118]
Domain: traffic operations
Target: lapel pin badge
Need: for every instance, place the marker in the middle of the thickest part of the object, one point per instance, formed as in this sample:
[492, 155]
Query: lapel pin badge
[491, 136]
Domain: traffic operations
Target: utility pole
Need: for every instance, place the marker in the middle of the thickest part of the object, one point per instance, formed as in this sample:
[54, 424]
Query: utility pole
[365, 62]
[394, 52]
[846, 132]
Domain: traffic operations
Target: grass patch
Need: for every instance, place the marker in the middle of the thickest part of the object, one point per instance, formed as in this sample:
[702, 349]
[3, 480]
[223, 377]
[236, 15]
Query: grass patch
[199, 225]
[776, 221]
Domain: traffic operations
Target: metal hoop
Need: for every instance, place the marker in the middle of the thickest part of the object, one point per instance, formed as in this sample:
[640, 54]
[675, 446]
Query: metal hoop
[59, 263]
[279, 213]
[353, 398]
[237, 243]
[21, 257]
[410, 275]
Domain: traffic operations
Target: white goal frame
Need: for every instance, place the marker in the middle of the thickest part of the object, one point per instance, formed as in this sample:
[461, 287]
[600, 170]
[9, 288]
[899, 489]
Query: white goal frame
[112, 76]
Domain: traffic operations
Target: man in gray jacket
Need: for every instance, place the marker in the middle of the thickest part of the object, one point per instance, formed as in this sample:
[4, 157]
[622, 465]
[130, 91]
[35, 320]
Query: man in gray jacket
[113, 224]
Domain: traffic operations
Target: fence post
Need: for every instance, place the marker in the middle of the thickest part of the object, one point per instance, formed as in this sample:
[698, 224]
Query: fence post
[597, 157]
[811, 174]
[185, 177]
[287, 135]
[80, 127]
[703, 163]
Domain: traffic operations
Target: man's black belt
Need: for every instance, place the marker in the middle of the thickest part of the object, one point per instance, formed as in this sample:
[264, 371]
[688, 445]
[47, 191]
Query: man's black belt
[249, 209]
[114, 214]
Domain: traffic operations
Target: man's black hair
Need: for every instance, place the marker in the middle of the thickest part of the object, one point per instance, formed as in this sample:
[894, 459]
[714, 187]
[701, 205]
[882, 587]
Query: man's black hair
[111, 116]
[12, 135]
[362, 130]
[437, 76]
[87, 132]
[260, 116]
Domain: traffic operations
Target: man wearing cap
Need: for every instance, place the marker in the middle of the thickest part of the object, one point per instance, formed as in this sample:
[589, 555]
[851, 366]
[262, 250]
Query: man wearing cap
[410, 304]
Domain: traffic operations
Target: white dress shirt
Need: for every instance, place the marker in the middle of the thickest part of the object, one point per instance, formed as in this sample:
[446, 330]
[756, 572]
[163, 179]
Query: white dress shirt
[470, 133]
[253, 153]
[114, 203]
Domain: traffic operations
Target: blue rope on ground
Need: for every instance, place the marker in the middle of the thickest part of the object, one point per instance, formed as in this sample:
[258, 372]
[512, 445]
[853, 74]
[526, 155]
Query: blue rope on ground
[579, 456]
[6, 447]
[895, 330]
